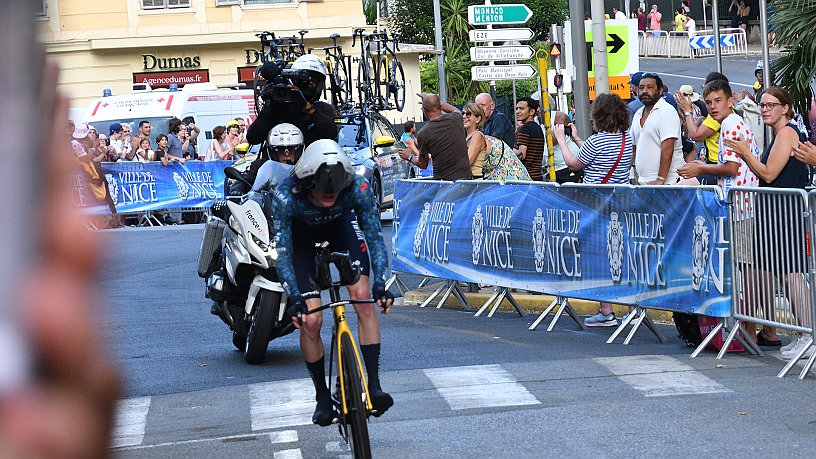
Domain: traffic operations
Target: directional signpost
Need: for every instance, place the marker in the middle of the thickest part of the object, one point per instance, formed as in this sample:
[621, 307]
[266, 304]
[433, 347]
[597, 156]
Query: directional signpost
[488, 15]
[502, 72]
[498, 14]
[501, 53]
[708, 41]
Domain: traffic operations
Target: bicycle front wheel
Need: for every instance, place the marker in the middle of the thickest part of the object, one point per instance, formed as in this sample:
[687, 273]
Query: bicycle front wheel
[340, 90]
[356, 419]
[396, 83]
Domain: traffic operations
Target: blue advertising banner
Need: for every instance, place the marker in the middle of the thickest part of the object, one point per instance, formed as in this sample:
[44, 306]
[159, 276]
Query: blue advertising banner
[660, 247]
[138, 187]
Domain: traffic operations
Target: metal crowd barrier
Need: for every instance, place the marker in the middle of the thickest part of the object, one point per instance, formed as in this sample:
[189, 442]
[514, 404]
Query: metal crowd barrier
[771, 264]
[677, 43]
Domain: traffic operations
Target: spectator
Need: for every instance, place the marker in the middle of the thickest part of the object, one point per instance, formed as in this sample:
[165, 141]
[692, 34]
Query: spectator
[220, 148]
[144, 153]
[241, 129]
[173, 143]
[778, 167]
[144, 132]
[162, 152]
[104, 153]
[93, 134]
[443, 138]
[635, 104]
[690, 25]
[233, 133]
[114, 137]
[654, 20]
[618, 14]
[734, 10]
[125, 146]
[477, 146]
[744, 11]
[563, 173]
[679, 19]
[187, 139]
[605, 157]
[707, 130]
[656, 129]
[530, 141]
[497, 123]
[409, 139]
[641, 20]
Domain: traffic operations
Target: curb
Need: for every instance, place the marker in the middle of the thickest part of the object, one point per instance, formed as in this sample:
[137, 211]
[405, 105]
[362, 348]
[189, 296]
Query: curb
[532, 303]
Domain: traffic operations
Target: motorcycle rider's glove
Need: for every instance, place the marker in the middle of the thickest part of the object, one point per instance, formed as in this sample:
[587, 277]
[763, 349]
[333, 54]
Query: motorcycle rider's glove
[379, 293]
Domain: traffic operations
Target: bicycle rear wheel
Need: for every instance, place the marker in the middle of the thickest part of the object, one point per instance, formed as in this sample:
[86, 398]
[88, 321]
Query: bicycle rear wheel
[364, 81]
[396, 83]
[356, 419]
[340, 90]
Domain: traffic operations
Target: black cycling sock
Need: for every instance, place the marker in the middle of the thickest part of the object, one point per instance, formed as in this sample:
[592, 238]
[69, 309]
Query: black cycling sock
[317, 371]
[371, 358]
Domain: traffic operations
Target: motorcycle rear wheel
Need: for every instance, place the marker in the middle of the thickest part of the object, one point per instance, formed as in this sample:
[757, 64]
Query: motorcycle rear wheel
[261, 326]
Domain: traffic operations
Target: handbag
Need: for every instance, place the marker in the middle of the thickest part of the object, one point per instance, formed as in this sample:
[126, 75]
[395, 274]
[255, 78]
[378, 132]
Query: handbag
[617, 161]
[500, 163]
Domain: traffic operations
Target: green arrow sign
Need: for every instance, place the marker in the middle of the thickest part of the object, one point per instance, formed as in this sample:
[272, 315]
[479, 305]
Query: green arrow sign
[498, 14]
[617, 49]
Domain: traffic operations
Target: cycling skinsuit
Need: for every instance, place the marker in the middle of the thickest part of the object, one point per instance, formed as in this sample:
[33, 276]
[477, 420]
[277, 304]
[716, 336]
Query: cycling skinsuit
[352, 223]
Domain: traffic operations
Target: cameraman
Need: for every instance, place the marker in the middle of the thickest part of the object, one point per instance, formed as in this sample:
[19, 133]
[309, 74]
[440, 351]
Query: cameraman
[313, 117]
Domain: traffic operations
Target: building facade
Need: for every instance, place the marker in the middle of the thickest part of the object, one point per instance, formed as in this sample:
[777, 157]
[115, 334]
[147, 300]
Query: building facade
[113, 44]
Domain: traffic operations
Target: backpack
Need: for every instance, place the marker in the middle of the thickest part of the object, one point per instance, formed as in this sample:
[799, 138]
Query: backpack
[688, 328]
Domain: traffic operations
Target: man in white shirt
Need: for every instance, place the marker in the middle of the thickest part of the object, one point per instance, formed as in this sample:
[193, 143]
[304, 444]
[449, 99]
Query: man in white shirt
[656, 130]
[617, 14]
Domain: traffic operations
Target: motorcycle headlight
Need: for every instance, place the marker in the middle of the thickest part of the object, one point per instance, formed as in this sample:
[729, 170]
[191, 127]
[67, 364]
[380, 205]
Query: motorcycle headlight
[360, 169]
[268, 249]
[261, 244]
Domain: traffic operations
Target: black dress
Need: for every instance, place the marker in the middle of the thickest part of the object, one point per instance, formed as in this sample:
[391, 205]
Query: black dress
[780, 235]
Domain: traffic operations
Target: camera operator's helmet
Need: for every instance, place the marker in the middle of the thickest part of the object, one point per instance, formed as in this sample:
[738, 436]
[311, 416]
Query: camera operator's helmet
[285, 140]
[311, 63]
[324, 167]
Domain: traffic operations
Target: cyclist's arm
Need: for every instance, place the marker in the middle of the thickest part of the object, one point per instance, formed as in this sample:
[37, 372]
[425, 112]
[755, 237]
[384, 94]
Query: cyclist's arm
[282, 212]
[368, 217]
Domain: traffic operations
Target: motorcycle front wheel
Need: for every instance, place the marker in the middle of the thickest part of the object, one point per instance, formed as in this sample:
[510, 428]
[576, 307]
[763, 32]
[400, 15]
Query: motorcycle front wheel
[261, 326]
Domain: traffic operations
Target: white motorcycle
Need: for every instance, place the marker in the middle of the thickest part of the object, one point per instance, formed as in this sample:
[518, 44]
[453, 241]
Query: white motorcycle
[240, 277]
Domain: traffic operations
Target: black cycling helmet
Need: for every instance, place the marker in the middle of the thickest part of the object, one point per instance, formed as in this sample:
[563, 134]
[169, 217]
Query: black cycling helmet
[323, 167]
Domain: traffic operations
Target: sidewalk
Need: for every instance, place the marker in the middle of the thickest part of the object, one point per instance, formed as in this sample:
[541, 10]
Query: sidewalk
[532, 303]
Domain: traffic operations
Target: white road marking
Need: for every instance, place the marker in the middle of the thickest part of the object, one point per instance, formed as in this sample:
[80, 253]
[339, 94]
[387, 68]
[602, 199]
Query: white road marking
[281, 404]
[479, 386]
[283, 436]
[288, 454]
[660, 375]
[131, 419]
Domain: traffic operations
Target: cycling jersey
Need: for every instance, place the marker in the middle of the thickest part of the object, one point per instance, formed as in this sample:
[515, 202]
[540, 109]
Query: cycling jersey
[291, 203]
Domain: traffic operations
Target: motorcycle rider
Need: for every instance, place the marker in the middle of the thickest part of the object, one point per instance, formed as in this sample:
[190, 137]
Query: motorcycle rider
[324, 200]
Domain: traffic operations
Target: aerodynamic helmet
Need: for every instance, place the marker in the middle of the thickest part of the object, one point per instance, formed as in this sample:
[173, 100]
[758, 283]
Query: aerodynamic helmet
[286, 139]
[324, 167]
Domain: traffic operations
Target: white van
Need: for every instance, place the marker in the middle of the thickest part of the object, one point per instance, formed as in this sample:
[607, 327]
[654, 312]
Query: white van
[201, 103]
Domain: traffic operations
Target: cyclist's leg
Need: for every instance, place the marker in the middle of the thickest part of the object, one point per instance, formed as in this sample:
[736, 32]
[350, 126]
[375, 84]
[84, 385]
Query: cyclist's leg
[311, 346]
[349, 237]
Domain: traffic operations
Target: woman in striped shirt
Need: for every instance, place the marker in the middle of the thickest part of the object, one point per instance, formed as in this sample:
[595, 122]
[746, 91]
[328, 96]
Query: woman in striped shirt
[605, 156]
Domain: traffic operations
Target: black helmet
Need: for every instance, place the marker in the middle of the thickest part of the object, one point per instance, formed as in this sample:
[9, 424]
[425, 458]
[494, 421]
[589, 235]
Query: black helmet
[323, 167]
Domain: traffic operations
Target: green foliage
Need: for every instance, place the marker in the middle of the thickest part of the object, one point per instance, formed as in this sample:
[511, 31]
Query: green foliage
[370, 11]
[795, 69]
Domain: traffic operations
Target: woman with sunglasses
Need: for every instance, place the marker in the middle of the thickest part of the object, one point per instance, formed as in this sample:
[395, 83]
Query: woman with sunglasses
[779, 239]
[473, 119]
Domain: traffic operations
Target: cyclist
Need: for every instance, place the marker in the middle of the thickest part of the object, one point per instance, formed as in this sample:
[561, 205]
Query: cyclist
[324, 200]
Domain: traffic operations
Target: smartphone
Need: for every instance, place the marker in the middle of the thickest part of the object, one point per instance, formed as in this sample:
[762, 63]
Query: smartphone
[567, 131]
[22, 102]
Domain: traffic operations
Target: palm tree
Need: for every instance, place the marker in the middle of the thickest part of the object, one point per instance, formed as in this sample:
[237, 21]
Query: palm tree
[794, 22]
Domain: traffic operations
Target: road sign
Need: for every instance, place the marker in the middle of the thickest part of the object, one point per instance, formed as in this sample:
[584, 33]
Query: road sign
[621, 47]
[500, 34]
[498, 14]
[502, 72]
[501, 53]
[704, 42]
[555, 50]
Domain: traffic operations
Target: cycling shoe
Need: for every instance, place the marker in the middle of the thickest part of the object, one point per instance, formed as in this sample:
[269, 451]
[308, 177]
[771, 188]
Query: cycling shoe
[380, 401]
[324, 411]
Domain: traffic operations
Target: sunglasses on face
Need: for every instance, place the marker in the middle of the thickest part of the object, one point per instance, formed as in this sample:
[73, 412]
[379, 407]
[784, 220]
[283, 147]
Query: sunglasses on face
[468, 114]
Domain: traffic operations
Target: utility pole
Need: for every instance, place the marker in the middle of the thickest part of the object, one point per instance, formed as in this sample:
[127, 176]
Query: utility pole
[440, 58]
[581, 87]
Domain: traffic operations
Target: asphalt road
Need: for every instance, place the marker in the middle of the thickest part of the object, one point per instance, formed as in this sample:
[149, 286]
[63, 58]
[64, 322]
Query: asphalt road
[464, 386]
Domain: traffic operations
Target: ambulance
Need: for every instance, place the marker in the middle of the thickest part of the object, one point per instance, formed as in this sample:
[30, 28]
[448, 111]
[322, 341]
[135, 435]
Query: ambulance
[201, 103]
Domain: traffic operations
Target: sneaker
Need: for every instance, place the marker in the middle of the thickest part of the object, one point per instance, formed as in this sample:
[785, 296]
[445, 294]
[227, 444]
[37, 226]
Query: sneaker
[380, 401]
[324, 411]
[800, 343]
[792, 344]
[627, 316]
[601, 320]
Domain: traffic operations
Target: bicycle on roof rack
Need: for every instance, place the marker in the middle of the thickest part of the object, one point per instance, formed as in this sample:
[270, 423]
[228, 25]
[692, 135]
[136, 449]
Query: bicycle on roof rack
[380, 75]
[338, 76]
[282, 51]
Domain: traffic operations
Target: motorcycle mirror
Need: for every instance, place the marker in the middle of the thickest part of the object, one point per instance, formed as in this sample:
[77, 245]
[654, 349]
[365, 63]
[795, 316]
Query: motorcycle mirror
[234, 174]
